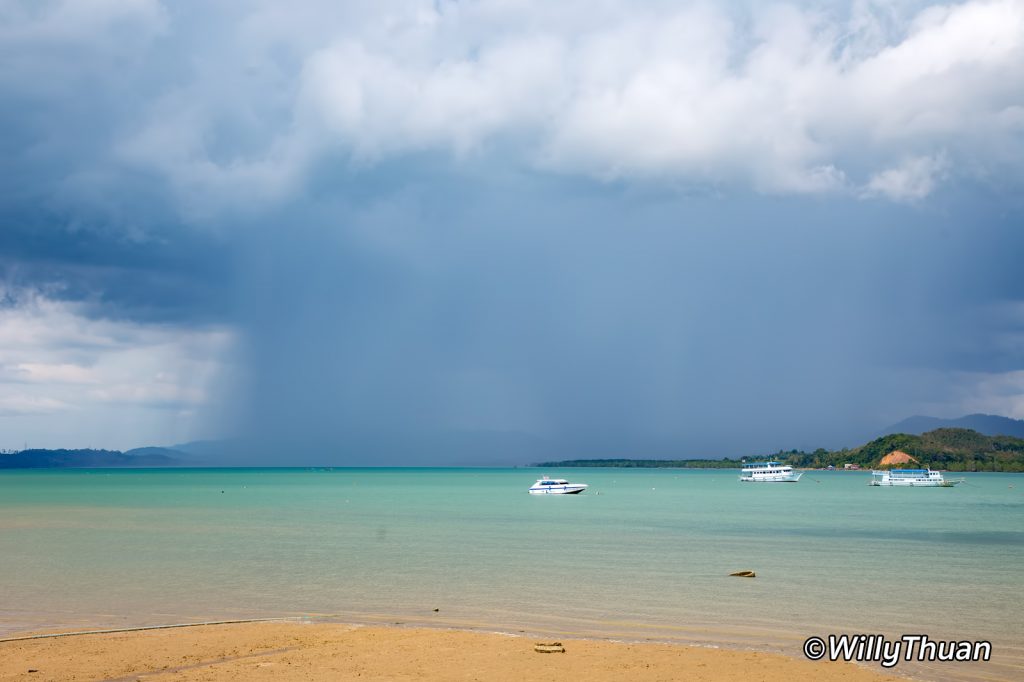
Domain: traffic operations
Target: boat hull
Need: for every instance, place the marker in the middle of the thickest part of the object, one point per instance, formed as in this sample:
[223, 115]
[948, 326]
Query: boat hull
[789, 478]
[913, 484]
[911, 478]
[558, 490]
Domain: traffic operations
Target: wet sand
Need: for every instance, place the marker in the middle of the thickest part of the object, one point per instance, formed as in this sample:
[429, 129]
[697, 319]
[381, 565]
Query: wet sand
[324, 651]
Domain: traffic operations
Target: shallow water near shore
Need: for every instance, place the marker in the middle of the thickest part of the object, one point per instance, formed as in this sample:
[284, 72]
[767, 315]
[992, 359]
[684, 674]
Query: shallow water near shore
[643, 554]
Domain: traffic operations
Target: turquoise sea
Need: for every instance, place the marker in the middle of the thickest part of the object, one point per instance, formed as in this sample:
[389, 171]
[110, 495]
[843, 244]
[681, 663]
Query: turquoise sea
[643, 554]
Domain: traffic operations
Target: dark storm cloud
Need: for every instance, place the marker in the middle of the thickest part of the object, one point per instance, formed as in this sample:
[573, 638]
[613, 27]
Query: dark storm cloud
[174, 275]
[606, 322]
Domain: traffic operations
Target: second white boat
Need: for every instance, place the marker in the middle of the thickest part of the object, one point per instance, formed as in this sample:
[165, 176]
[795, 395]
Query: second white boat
[912, 478]
[769, 472]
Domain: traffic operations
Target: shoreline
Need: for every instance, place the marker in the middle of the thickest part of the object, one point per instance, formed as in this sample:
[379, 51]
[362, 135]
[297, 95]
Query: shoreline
[304, 649]
[784, 643]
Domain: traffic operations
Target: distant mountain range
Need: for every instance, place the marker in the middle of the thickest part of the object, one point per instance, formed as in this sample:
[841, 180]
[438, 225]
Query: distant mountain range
[362, 448]
[88, 459]
[483, 448]
[988, 424]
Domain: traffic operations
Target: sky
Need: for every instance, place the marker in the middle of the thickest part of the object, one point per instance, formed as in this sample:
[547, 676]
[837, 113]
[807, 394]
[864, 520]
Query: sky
[504, 231]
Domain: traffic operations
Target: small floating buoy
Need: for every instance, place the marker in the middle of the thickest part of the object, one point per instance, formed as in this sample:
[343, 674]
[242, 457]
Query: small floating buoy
[553, 648]
[744, 574]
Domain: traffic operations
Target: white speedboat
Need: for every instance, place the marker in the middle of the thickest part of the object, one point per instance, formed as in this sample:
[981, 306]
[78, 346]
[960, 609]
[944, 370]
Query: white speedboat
[769, 472]
[912, 478]
[556, 486]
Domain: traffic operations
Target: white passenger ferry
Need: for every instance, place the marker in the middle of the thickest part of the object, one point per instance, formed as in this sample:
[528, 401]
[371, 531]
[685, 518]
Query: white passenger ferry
[556, 486]
[769, 472]
[916, 478]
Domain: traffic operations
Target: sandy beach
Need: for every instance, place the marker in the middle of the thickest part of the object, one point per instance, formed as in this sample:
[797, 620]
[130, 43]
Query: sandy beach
[320, 651]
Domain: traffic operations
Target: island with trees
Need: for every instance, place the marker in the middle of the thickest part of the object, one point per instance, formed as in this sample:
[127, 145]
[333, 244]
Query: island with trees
[948, 449]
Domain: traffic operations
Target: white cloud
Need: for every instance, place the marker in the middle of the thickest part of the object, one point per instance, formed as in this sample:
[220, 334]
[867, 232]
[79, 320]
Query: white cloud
[114, 382]
[383, 104]
[778, 97]
[912, 180]
[77, 21]
[684, 92]
[47, 47]
[58, 373]
[999, 393]
[18, 405]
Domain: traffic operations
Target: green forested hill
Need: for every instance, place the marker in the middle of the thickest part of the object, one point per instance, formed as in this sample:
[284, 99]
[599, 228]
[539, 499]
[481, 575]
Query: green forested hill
[948, 449]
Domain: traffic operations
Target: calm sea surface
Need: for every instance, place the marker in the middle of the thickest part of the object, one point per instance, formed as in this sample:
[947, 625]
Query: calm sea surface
[643, 554]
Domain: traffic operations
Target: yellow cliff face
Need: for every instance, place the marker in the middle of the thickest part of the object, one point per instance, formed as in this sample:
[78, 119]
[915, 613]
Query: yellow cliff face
[895, 458]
